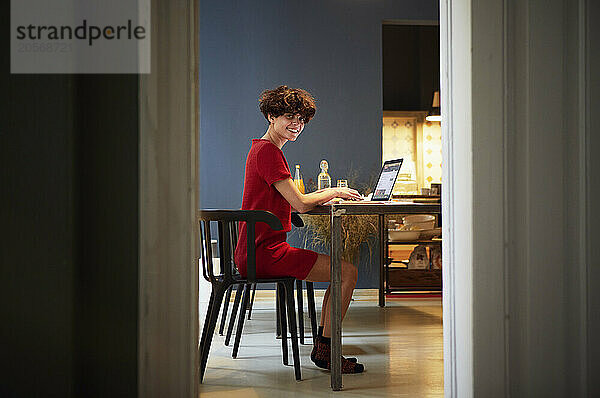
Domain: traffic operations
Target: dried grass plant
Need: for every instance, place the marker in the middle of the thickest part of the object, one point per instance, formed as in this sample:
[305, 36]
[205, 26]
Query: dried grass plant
[356, 229]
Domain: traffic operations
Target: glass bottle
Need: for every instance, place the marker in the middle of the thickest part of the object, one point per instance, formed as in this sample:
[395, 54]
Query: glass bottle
[298, 180]
[324, 178]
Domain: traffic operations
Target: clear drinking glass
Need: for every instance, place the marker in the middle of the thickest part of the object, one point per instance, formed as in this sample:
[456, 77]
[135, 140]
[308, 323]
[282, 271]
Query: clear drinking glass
[342, 183]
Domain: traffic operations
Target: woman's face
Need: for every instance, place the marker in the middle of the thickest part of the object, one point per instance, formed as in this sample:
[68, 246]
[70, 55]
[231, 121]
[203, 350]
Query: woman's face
[287, 126]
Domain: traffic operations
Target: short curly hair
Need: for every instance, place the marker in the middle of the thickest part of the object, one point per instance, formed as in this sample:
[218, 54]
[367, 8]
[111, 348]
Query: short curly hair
[284, 99]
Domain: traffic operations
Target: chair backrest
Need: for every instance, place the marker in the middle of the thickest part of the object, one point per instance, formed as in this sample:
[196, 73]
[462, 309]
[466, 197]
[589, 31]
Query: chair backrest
[227, 223]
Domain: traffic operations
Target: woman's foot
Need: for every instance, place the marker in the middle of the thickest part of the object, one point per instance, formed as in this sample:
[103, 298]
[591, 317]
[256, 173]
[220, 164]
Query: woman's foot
[321, 356]
[320, 335]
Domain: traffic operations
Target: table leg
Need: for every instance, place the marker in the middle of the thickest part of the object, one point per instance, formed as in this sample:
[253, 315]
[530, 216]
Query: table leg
[382, 259]
[335, 299]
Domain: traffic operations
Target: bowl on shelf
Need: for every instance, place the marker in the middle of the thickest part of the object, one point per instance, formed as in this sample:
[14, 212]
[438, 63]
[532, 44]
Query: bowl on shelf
[430, 233]
[396, 235]
[419, 222]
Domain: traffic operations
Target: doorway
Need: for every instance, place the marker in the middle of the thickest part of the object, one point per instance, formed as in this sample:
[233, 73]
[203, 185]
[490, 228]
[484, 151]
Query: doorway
[484, 321]
[410, 83]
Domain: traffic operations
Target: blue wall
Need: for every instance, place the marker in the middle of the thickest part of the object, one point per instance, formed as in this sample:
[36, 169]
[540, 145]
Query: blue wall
[332, 48]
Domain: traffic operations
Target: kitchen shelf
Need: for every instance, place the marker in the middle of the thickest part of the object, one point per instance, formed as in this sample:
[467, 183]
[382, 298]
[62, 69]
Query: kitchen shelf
[402, 279]
[399, 278]
[414, 242]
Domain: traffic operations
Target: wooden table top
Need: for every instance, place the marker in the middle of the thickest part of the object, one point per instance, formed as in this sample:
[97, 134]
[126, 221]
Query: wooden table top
[373, 208]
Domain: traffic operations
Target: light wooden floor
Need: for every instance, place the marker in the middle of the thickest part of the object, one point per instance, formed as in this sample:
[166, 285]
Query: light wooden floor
[400, 346]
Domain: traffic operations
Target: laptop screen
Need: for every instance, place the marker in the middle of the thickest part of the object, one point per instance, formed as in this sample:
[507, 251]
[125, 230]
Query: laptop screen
[387, 179]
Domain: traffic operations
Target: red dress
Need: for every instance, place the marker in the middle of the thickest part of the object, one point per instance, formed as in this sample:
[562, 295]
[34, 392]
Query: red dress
[266, 165]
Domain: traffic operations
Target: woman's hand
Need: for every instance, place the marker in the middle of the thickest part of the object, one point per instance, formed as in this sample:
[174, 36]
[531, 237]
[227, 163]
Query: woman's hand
[347, 193]
[305, 202]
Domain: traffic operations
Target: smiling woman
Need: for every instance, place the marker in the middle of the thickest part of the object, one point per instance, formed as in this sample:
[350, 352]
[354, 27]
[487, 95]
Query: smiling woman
[268, 186]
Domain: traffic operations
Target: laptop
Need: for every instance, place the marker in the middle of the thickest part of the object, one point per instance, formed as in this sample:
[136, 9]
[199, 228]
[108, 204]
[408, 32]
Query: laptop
[385, 183]
[387, 179]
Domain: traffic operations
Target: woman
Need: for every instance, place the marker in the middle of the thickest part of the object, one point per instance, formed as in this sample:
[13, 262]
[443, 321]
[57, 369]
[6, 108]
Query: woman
[268, 186]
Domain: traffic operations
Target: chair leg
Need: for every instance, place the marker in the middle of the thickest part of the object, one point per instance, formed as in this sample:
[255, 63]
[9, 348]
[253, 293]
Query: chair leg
[300, 300]
[277, 314]
[236, 304]
[207, 320]
[251, 300]
[289, 287]
[282, 321]
[224, 314]
[312, 311]
[211, 323]
[240, 322]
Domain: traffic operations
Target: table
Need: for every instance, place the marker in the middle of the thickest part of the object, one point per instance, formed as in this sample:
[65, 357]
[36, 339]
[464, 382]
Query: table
[336, 211]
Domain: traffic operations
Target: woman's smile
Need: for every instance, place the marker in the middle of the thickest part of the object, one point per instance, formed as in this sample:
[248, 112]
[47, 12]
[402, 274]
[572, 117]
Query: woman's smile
[286, 127]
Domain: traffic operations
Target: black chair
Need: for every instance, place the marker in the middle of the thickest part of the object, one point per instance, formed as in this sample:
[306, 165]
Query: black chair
[310, 294]
[226, 221]
[297, 222]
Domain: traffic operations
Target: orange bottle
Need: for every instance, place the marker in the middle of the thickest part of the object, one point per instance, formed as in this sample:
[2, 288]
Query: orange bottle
[298, 180]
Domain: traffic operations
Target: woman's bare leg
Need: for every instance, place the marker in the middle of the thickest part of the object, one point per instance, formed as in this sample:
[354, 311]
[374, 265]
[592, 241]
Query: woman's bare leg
[321, 273]
[324, 305]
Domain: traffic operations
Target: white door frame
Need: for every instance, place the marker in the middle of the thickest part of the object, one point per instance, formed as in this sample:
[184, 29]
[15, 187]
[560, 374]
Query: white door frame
[456, 199]
[516, 123]
[474, 142]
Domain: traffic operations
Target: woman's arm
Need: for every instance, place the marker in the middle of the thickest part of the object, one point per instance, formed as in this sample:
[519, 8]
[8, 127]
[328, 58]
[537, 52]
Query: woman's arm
[305, 202]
